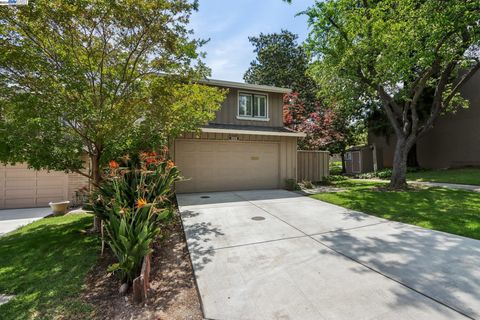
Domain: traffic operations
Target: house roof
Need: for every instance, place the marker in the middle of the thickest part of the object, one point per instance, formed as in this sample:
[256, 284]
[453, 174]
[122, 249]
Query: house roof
[255, 130]
[245, 86]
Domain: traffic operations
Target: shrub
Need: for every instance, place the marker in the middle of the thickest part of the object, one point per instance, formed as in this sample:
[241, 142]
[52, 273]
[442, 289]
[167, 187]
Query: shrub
[335, 167]
[333, 178]
[291, 184]
[307, 184]
[381, 174]
[146, 176]
[130, 234]
[385, 173]
[134, 198]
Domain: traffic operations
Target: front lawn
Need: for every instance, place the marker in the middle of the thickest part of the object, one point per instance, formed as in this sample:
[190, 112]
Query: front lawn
[452, 211]
[44, 265]
[461, 176]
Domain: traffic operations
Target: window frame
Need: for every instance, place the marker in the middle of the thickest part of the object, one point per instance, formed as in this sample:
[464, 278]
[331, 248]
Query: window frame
[252, 116]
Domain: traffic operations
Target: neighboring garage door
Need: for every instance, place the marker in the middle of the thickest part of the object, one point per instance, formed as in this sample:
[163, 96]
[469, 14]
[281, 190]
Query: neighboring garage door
[21, 187]
[227, 165]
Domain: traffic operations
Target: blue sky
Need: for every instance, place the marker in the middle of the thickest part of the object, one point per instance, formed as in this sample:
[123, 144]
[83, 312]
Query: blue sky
[229, 23]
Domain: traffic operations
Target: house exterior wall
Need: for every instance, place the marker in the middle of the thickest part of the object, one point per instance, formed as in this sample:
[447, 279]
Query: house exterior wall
[454, 141]
[385, 145]
[227, 114]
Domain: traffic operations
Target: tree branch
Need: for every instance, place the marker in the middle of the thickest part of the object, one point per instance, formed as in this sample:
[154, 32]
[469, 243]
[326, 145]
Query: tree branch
[460, 83]
[80, 172]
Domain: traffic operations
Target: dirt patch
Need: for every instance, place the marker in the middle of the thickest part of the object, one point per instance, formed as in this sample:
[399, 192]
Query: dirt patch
[172, 295]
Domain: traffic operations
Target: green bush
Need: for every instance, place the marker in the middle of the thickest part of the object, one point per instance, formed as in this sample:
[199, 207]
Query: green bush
[334, 178]
[291, 184]
[335, 167]
[380, 174]
[385, 173]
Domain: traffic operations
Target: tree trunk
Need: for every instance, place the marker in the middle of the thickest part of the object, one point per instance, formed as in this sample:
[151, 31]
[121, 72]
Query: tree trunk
[96, 179]
[398, 181]
[412, 160]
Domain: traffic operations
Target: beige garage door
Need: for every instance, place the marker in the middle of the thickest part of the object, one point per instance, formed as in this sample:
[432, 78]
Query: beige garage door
[227, 165]
[21, 187]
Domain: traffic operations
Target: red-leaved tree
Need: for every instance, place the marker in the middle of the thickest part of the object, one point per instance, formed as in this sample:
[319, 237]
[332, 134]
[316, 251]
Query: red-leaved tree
[319, 126]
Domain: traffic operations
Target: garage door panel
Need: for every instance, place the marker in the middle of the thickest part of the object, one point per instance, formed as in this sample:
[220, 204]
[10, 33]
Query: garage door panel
[20, 203]
[227, 165]
[50, 192]
[24, 187]
[19, 183]
[47, 182]
[20, 193]
[50, 174]
[14, 173]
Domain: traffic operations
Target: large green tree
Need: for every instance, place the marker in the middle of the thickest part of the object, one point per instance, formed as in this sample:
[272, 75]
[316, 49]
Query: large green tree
[97, 77]
[282, 62]
[390, 52]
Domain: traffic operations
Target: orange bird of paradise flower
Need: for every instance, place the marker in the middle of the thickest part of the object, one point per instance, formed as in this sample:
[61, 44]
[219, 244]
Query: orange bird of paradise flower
[113, 164]
[141, 202]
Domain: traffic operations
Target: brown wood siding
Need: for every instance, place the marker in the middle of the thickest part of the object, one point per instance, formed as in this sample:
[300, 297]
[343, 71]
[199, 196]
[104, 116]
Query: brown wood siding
[312, 165]
[228, 112]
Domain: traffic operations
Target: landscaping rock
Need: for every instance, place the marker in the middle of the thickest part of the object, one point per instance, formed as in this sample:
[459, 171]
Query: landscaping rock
[123, 289]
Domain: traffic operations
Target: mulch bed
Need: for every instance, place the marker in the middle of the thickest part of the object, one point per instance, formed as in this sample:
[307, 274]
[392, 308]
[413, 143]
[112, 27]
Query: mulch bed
[172, 295]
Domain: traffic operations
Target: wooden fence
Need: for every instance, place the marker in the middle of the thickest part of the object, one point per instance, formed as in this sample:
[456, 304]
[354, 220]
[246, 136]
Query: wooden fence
[312, 165]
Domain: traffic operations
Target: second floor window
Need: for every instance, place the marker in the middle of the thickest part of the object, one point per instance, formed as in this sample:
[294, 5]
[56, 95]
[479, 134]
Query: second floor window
[252, 105]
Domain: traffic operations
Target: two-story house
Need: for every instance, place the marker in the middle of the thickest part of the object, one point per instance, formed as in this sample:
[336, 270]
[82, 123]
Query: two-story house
[246, 146]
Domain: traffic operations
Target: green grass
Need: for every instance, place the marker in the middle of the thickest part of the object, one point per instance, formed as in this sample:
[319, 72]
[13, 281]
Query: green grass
[452, 211]
[461, 176]
[44, 265]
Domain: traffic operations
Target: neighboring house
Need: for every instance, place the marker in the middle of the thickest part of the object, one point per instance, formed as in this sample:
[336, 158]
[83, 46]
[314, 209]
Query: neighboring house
[245, 147]
[454, 141]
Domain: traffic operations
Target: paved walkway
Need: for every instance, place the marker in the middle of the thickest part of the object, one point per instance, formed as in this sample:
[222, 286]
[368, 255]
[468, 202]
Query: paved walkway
[436, 184]
[11, 219]
[274, 254]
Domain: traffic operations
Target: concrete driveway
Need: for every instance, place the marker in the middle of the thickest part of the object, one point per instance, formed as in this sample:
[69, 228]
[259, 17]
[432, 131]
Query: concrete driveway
[11, 219]
[274, 254]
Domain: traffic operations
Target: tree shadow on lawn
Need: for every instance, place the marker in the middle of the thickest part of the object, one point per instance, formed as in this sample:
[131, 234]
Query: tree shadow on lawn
[44, 264]
[439, 265]
[452, 211]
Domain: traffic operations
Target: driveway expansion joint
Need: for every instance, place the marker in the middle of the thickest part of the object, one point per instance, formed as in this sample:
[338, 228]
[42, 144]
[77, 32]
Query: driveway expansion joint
[359, 262]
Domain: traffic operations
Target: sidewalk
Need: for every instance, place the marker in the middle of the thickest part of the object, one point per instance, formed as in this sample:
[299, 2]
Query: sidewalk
[11, 219]
[435, 184]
